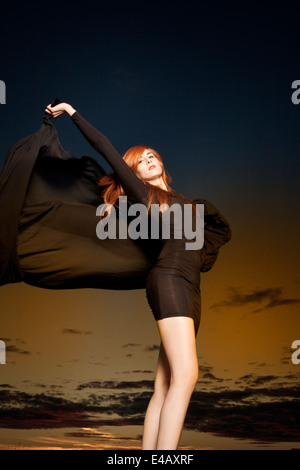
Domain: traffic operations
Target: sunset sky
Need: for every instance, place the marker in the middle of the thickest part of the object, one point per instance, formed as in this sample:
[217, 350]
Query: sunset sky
[208, 87]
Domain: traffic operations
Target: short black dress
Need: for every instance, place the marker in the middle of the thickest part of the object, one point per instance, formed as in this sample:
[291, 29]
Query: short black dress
[48, 202]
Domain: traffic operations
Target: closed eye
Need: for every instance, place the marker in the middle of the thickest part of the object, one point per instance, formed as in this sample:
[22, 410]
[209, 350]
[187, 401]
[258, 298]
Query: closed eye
[142, 159]
[145, 159]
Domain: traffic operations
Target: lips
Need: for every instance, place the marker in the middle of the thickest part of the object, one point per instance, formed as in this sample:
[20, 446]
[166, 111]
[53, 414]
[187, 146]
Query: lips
[151, 166]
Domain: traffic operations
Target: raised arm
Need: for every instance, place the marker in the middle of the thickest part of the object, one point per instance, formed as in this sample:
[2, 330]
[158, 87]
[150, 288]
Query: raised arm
[132, 185]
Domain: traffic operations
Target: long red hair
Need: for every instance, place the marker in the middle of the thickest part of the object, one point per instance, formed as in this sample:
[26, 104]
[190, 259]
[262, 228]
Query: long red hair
[112, 188]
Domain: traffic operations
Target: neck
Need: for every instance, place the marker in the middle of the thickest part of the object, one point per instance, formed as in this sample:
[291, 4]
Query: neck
[159, 182]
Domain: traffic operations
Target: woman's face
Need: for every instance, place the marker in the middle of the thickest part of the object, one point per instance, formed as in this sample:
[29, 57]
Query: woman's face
[149, 167]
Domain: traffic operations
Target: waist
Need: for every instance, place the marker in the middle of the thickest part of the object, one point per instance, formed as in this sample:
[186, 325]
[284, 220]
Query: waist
[176, 259]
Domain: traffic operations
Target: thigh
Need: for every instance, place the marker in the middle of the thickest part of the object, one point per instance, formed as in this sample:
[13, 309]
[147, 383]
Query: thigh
[179, 343]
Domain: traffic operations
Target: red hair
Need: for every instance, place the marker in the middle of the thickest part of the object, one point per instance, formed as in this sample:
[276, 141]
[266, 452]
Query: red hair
[113, 188]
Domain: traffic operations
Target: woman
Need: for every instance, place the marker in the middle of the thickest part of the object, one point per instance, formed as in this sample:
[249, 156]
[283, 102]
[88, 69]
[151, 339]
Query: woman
[48, 239]
[173, 285]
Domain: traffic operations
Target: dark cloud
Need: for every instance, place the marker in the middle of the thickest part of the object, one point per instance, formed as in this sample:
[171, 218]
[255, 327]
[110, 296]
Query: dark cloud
[138, 371]
[274, 421]
[273, 297]
[210, 376]
[100, 436]
[253, 380]
[114, 385]
[73, 331]
[154, 347]
[149, 348]
[205, 369]
[260, 413]
[286, 355]
[206, 375]
[18, 340]
[16, 350]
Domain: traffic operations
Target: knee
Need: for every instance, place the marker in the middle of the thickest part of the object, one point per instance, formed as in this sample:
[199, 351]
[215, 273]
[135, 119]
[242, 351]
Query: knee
[187, 377]
[192, 376]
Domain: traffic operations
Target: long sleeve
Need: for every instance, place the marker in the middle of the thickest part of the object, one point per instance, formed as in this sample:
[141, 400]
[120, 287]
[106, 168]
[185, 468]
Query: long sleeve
[132, 185]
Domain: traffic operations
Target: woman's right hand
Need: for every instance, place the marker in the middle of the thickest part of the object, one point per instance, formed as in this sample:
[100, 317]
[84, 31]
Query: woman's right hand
[55, 111]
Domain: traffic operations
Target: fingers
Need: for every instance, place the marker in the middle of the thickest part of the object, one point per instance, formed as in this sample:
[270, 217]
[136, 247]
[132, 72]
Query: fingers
[54, 111]
[49, 111]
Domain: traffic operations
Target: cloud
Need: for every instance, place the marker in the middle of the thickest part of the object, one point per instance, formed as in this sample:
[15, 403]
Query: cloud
[210, 376]
[100, 436]
[114, 385]
[286, 354]
[263, 410]
[16, 350]
[138, 371]
[150, 348]
[73, 331]
[154, 347]
[273, 297]
[254, 381]
[272, 421]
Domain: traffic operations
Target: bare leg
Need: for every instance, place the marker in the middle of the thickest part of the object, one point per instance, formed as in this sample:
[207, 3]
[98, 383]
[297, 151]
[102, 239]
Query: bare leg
[161, 387]
[179, 342]
[176, 377]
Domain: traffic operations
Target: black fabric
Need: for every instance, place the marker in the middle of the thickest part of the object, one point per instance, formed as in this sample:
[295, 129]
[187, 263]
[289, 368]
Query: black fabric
[217, 230]
[48, 203]
[14, 181]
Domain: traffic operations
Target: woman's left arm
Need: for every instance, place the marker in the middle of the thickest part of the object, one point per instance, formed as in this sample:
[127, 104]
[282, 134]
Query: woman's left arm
[132, 185]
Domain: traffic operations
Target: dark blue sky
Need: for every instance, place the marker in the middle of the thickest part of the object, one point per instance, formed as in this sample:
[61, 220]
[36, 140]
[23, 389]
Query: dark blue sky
[208, 86]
